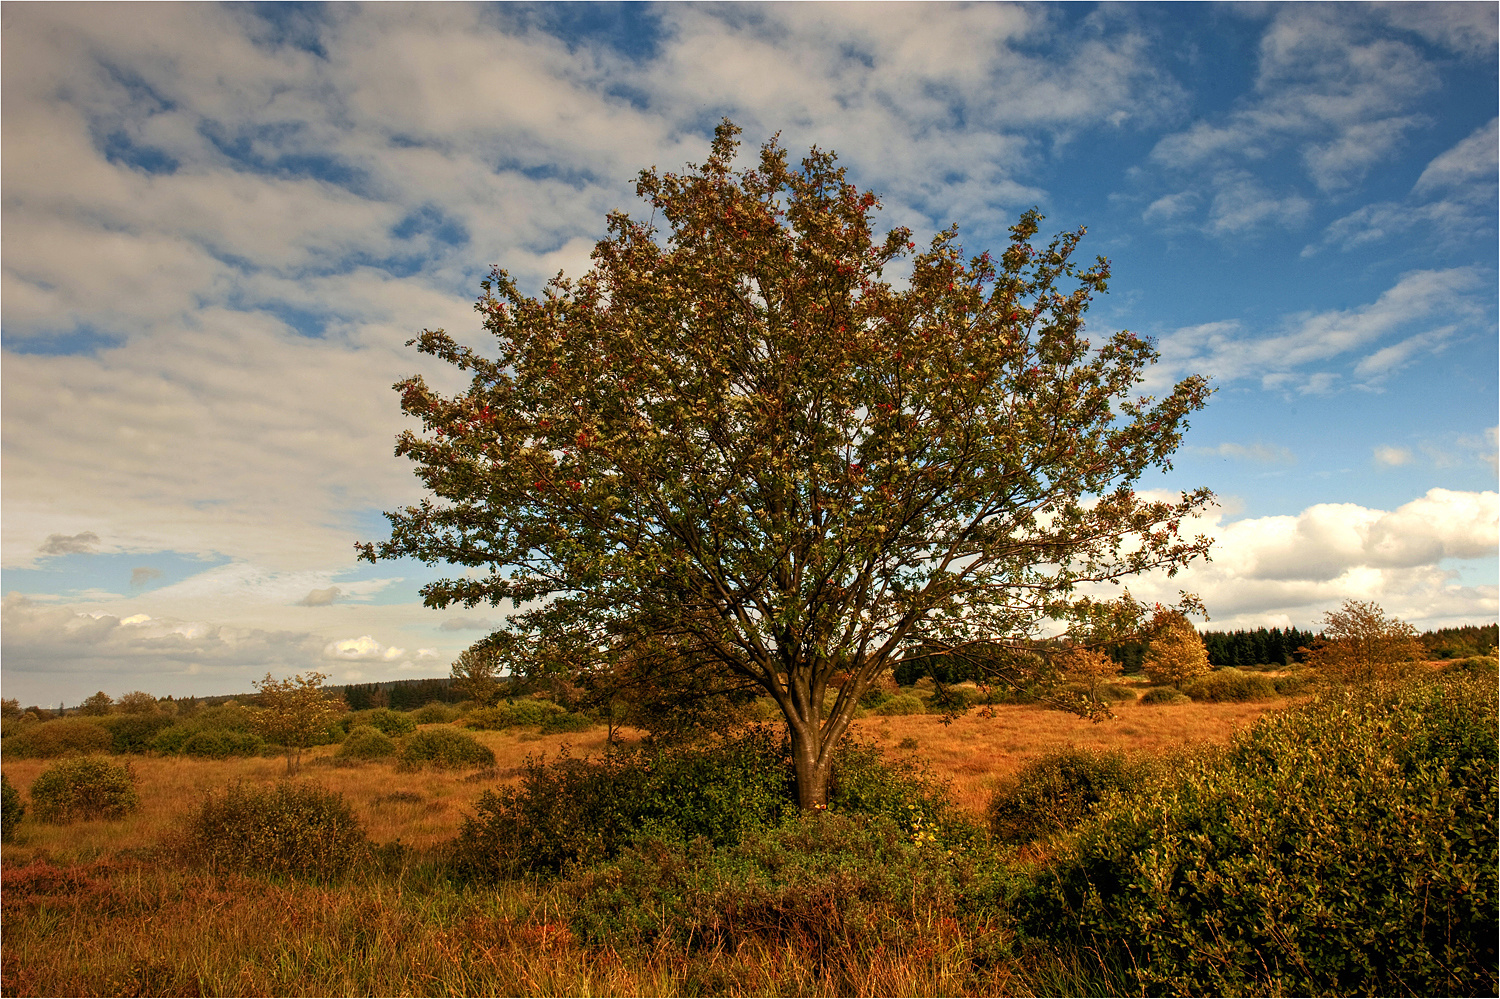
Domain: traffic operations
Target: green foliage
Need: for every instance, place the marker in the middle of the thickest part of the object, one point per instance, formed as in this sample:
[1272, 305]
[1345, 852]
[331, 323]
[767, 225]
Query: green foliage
[391, 723]
[289, 829]
[435, 713]
[59, 737]
[567, 722]
[221, 743]
[365, 743]
[84, 787]
[11, 808]
[134, 732]
[1290, 685]
[512, 714]
[444, 747]
[1164, 695]
[624, 461]
[571, 812]
[901, 704]
[1346, 847]
[96, 704]
[821, 883]
[1229, 684]
[1054, 793]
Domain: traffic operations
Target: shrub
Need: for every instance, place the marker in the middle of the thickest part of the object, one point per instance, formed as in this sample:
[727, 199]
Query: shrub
[444, 747]
[1056, 792]
[1290, 685]
[221, 743]
[828, 884]
[60, 737]
[950, 700]
[1229, 684]
[84, 787]
[384, 720]
[290, 829]
[1345, 847]
[134, 732]
[512, 714]
[567, 722]
[901, 704]
[1164, 695]
[366, 743]
[11, 808]
[571, 812]
[435, 713]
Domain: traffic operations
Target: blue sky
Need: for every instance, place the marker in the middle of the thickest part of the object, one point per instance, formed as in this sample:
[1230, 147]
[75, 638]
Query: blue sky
[221, 224]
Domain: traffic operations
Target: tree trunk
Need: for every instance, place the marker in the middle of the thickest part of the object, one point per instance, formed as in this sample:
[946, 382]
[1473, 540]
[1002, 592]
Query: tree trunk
[812, 769]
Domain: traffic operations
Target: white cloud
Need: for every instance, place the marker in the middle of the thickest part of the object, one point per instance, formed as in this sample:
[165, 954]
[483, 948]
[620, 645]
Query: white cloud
[1293, 568]
[1393, 457]
[1273, 454]
[1226, 351]
[362, 649]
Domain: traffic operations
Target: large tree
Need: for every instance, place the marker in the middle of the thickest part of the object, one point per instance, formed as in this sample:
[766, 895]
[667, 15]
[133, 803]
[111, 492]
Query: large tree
[734, 435]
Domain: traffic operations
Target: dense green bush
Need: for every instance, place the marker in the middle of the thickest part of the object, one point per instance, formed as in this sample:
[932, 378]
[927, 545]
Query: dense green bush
[384, 720]
[436, 713]
[1346, 847]
[222, 743]
[1164, 695]
[1290, 685]
[901, 704]
[830, 884]
[365, 743]
[444, 747]
[290, 829]
[1229, 684]
[1055, 792]
[60, 737]
[570, 812]
[84, 787]
[11, 808]
[133, 733]
[513, 714]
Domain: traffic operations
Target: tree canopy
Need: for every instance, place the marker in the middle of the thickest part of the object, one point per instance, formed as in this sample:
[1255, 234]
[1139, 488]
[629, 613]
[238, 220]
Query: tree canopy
[736, 438]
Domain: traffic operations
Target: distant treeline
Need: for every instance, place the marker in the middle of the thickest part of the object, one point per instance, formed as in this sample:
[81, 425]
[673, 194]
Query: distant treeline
[399, 695]
[1462, 642]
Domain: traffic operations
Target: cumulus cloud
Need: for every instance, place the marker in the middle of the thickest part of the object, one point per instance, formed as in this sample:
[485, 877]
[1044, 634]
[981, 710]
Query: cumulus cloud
[49, 649]
[362, 649]
[1293, 568]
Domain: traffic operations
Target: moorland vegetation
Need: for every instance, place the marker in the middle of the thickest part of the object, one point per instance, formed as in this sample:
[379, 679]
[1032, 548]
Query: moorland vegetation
[1336, 840]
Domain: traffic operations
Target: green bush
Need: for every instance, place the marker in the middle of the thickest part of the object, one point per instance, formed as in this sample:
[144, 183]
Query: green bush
[1164, 695]
[901, 704]
[84, 787]
[444, 747]
[133, 733]
[874, 697]
[384, 720]
[571, 812]
[1229, 684]
[365, 743]
[60, 737]
[1055, 792]
[1346, 847]
[512, 714]
[289, 829]
[436, 713]
[11, 808]
[567, 722]
[839, 885]
[1290, 685]
[222, 743]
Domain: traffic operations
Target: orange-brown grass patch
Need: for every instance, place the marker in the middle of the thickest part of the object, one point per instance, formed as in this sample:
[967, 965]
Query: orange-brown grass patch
[979, 749]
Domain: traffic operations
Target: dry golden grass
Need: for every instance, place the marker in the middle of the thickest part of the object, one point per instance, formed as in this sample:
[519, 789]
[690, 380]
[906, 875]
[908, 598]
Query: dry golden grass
[981, 748]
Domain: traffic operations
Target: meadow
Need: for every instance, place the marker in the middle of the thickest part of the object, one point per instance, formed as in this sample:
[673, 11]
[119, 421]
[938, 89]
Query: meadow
[905, 887]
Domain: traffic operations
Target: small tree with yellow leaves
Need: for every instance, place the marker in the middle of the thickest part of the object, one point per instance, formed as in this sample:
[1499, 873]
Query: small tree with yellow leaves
[1176, 654]
[294, 712]
[1361, 646]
